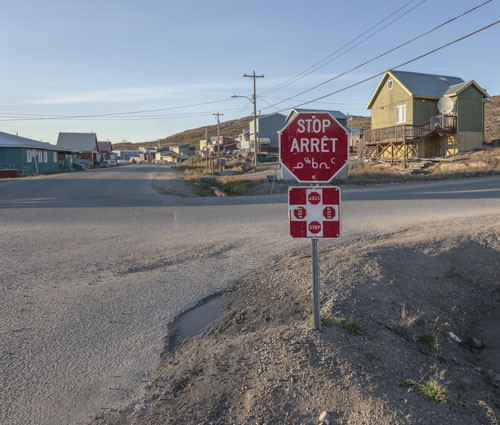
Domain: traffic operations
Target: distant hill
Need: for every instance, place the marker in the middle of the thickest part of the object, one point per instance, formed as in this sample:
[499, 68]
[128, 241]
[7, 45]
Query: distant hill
[363, 123]
[229, 129]
[235, 127]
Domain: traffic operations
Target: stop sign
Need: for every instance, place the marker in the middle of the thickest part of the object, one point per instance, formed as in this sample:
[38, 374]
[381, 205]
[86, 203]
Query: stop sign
[313, 147]
[314, 198]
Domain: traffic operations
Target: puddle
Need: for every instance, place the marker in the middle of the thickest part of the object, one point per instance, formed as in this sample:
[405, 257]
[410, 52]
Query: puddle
[197, 320]
[489, 330]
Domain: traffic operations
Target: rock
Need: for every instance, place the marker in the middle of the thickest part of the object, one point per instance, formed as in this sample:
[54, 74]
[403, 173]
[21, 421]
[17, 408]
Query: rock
[324, 418]
[476, 342]
[454, 337]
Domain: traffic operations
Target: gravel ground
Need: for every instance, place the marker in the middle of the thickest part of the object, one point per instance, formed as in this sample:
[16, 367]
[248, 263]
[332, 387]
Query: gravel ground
[262, 362]
[96, 265]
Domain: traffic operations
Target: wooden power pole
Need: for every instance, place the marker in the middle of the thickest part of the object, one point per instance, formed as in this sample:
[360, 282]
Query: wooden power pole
[255, 132]
[218, 114]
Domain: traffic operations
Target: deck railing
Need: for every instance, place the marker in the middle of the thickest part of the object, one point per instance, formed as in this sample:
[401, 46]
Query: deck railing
[408, 132]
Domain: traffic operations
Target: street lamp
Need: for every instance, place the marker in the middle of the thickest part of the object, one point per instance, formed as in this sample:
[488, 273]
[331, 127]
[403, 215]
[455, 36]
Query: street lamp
[254, 125]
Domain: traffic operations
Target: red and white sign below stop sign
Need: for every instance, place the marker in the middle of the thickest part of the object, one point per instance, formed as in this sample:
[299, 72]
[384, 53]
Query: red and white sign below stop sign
[314, 147]
[314, 212]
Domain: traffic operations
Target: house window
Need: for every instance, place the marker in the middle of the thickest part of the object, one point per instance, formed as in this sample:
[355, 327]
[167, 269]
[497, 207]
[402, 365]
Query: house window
[54, 156]
[40, 159]
[29, 154]
[45, 156]
[389, 84]
[400, 114]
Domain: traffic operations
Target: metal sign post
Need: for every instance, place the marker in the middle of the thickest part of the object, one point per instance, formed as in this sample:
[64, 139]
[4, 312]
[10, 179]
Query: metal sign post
[315, 213]
[315, 273]
[313, 147]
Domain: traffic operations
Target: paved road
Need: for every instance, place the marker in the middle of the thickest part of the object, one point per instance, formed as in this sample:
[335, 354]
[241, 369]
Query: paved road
[95, 265]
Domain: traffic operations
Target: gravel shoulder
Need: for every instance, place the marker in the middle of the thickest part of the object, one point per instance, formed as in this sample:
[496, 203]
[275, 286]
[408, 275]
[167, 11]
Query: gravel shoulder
[171, 181]
[263, 363]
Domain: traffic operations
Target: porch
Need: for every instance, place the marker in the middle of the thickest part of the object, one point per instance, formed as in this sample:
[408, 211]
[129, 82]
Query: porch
[401, 142]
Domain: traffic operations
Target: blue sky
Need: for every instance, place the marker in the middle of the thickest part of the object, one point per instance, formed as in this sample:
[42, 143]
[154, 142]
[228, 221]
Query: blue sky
[81, 58]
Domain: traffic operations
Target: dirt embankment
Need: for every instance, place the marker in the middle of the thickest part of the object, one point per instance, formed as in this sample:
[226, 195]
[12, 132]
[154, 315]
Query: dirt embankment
[384, 355]
[492, 119]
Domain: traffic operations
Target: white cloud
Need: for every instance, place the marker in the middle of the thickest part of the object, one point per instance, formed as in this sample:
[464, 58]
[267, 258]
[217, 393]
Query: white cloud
[140, 94]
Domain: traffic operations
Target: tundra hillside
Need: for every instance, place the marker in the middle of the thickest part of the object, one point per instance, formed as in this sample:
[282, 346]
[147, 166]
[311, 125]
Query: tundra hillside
[235, 127]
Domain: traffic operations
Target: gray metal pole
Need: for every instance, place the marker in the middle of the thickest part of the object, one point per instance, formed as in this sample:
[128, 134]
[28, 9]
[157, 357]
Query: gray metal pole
[315, 273]
[255, 119]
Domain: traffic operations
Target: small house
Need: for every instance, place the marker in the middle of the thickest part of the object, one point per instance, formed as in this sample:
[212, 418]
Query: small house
[417, 115]
[24, 156]
[86, 143]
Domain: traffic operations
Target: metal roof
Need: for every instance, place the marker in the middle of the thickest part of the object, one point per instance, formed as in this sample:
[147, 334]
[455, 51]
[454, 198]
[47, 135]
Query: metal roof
[84, 142]
[426, 85]
[457, 88]
[430, 86]
[105, 146]
[12, 141]
[335, 114]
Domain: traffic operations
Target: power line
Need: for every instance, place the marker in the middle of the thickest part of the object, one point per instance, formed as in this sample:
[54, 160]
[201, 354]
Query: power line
[117, 113]
[384, 53]
[113, 118]
[326, 103]
[327, 59]
[397, 66]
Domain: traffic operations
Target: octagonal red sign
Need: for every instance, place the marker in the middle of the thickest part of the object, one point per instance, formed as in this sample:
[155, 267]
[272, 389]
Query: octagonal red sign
[314, 147]
[314, 198]
[315, 227]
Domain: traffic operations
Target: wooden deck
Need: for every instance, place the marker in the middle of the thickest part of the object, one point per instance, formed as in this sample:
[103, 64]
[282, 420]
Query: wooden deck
[400, 141]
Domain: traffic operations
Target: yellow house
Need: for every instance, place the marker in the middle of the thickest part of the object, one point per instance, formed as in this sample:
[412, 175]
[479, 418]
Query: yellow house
[415, 115]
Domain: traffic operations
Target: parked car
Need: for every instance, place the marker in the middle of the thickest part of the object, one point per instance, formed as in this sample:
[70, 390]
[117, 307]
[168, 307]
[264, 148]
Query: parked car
[112, 163]
[262, 157]
[105, 164]
[122, 162]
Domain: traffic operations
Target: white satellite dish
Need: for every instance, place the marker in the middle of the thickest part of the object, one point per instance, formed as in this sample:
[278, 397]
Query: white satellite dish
[446, 105]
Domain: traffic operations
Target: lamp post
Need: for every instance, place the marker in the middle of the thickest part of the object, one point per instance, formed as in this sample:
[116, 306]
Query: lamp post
[254, 100]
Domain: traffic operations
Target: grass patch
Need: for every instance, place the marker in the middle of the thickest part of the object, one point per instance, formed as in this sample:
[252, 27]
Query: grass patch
[235, 187]
[489, 412]
[489, 378]
[429, 339]
[369, 356]
[350, 326]
[406, 321]
[432, 389]
[323, 320]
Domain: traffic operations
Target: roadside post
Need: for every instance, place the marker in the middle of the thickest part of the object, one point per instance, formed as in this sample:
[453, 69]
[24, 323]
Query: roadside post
[313, 147]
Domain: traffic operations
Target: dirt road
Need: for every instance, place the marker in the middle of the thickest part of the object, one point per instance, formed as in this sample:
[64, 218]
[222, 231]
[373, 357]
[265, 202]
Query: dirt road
[389, 302]
[96, 265]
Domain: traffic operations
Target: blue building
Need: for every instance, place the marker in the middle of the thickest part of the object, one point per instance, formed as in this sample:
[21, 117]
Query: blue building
[28, 156]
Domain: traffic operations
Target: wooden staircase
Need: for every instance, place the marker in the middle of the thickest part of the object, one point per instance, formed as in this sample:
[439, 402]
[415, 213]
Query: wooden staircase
[400, 142]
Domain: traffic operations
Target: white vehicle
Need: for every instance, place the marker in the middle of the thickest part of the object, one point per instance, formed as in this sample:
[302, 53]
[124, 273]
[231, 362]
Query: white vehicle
[112, 163]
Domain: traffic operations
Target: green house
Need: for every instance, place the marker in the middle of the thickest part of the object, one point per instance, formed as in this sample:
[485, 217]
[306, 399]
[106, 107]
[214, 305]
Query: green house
[32, 157]
[415, 115]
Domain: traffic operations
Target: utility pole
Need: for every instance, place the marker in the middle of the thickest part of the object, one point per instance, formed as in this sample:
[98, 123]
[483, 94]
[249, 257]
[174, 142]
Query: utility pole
[218, 114]
[206, 144]
[255, 133]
